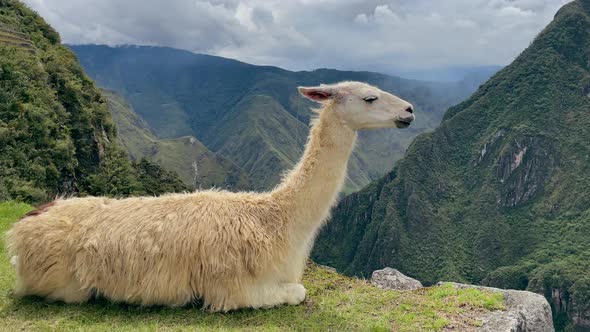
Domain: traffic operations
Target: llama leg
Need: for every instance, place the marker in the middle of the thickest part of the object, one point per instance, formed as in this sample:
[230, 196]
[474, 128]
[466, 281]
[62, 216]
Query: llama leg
[294, 293]
[70, 293]
[50, 280]
[275, 294]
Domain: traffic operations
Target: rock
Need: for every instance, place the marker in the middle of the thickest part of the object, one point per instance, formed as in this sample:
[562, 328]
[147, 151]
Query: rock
[525, 312]
[325, 267]
[523, 167]
[566, 303]
[389, 278]
[582, 319]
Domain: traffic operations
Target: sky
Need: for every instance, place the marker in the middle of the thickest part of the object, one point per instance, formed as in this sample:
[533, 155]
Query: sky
[395, 35]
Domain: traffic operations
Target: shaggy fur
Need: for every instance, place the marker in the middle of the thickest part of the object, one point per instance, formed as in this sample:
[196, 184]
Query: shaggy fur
[232, 250]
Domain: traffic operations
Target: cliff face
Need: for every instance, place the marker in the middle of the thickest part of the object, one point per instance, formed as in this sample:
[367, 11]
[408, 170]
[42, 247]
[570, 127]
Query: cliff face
[498, 194]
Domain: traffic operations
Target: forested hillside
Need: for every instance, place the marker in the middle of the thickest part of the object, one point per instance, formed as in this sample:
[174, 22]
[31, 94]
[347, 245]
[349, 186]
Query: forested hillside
[56, 134]
[253, 115]
[499, 194]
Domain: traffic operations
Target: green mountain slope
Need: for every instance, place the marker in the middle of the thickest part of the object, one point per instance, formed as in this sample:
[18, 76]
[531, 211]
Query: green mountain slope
[196, 165]
[56, 134]
[499, 193]
[180, 93]
[262, 137]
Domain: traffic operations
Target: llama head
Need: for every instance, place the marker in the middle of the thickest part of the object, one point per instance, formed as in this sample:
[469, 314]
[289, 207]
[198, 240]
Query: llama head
[362, 106]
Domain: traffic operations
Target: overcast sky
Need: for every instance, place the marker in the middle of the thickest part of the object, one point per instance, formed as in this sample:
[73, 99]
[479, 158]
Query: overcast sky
[307, 34]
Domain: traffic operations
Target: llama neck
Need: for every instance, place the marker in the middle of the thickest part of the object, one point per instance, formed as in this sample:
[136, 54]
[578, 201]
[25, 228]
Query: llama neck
[312, 187]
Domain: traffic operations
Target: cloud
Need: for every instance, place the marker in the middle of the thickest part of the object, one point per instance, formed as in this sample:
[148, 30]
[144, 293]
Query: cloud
[305, 34]
[361, 19]
[385, 16]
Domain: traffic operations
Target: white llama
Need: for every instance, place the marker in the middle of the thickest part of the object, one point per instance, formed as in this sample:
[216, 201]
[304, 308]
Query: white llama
[232, 250]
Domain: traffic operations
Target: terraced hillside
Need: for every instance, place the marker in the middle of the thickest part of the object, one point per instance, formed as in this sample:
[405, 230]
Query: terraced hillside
[10, 37]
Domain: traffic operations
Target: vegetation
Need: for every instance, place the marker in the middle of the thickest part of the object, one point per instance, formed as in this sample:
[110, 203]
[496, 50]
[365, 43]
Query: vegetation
[252, 115]
[56, 134]
[498, 194]
[335, 302]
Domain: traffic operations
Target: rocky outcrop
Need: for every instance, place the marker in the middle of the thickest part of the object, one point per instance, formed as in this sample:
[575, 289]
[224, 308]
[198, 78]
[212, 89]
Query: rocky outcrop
[491, 144]
[525, 312]
[523, 167]
[389, 278]
[564, 302]
[582, 319]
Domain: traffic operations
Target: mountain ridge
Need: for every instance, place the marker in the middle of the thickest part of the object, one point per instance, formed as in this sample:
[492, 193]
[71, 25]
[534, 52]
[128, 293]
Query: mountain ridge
[192, 95]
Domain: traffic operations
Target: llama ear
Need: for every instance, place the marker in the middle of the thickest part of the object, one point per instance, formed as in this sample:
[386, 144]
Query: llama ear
[317, 93]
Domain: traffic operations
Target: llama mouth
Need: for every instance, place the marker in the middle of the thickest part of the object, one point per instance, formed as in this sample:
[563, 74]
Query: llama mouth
[401, 124]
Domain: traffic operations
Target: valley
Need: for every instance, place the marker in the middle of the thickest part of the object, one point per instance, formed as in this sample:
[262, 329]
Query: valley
[195, 165]
[253, 115]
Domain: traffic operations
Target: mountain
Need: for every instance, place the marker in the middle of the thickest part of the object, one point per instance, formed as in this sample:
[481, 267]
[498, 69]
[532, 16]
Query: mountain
[196, 165]
[56, 133]
[262, 136]
[253, 115]
[499, 193]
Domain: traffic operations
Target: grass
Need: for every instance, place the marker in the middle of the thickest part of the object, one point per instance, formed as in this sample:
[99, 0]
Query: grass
[334, 302]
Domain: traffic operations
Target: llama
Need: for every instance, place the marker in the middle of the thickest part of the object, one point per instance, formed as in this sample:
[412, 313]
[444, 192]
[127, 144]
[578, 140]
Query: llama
[232, 250]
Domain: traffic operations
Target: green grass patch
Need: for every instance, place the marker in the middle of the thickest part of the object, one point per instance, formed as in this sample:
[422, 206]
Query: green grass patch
[334, 302]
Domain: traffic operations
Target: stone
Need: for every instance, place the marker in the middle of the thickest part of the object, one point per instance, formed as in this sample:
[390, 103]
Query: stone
[525, 312]
[325, 267]
[389, 278]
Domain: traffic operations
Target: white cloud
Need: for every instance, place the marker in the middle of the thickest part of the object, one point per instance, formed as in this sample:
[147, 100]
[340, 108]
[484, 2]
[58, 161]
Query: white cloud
[361, 19]
[304, 34]
[384, 15]
[516, 12]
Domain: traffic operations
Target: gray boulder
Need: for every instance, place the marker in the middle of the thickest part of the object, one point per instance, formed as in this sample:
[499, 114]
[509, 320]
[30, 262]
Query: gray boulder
[389, 278]
[525, 312]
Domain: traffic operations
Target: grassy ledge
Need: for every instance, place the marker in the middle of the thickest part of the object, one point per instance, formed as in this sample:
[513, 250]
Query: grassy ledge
[334, 302]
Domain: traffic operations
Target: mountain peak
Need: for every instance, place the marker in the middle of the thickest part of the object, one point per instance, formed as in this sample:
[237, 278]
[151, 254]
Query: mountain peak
[577, 6]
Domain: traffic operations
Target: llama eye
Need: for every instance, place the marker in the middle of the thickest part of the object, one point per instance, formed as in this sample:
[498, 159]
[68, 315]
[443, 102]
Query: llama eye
[370, 99]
